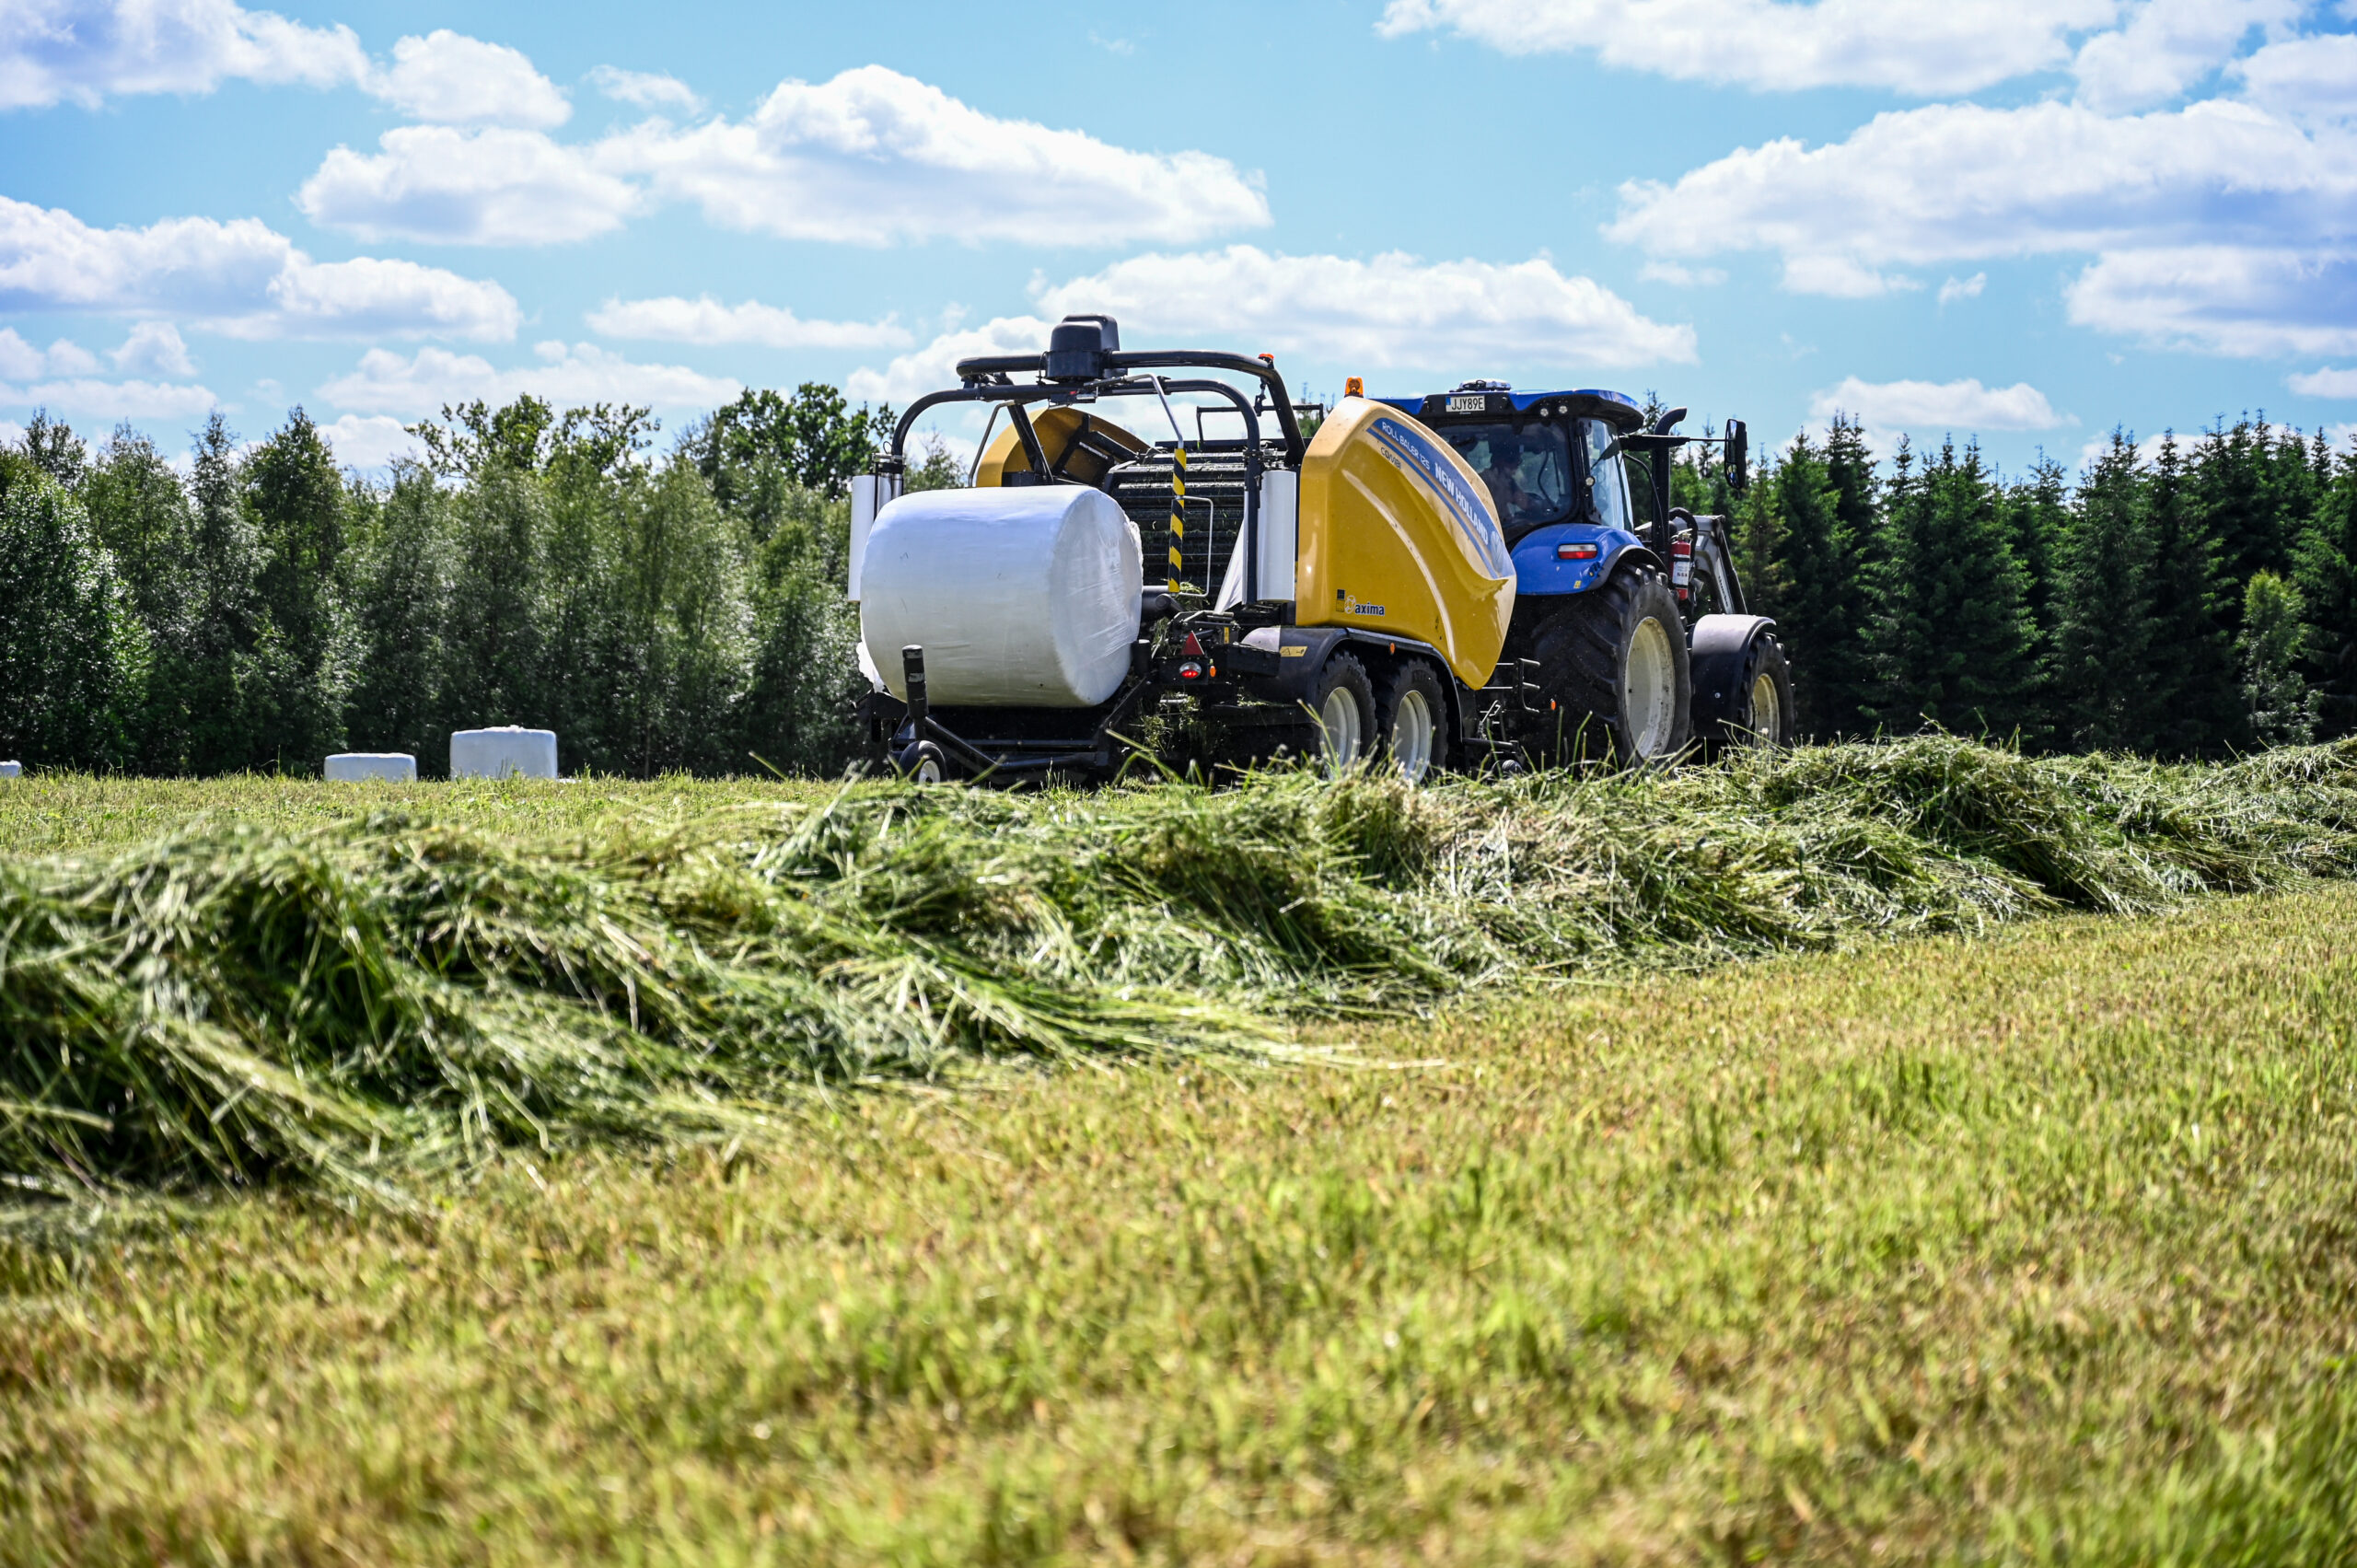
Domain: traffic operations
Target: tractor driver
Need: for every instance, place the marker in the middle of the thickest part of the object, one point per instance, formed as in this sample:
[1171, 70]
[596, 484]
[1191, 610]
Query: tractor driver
[1502, 474]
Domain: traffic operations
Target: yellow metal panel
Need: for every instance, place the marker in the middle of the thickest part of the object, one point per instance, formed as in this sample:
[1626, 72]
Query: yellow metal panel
[1056, 427]
[1398, 534]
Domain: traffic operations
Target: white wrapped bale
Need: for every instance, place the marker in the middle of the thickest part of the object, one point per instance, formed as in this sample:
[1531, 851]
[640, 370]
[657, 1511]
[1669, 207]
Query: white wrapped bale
[396, 767]
[11, 770]
[510, 751]
[1023, 597]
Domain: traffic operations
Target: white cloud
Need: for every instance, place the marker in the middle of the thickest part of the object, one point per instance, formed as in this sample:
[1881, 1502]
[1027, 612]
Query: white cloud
[1958, 407]
[447, 185]
[1840, 277]
[707, 321]
[1681, 277]
[456, 80]
[369, 440]
[648, 89]
[18, 359]
[934, 367]
[2219, 225]
[1951, 181]
[109, 401]
[1963, 289]
[386, 382]
[154, 348]
[2168, 46]
[2252, 301]
[2327, 382]
[1392, 310]
[239, 278]
[68, 358]
[1922, 47]
[872, 156]
[2309, 78]
[85, 51]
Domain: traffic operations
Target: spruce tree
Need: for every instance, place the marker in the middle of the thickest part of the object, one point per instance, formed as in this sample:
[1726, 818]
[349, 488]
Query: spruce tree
[2253, 491]
[1755, 535]
[2326, 573]
[1818, 599]
[228, 623]
[2038, 510]
[2193, 667]
[2107, 632]
[1950, 633]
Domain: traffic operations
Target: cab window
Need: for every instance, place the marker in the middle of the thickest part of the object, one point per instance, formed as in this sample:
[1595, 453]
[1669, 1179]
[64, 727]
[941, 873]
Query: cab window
[1607, 482]
[1529, 471]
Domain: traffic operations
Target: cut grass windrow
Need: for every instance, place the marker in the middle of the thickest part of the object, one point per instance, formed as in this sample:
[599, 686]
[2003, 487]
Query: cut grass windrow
[395, 993]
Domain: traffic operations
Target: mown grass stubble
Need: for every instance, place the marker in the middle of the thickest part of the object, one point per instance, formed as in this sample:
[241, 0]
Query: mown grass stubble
[2030, 1247]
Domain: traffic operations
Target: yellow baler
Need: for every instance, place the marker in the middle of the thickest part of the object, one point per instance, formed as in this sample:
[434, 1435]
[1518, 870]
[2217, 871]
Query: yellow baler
[1347, 594]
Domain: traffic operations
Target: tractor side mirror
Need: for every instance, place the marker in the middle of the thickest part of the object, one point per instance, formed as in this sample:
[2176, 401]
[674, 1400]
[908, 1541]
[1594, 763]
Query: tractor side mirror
[1739, 457]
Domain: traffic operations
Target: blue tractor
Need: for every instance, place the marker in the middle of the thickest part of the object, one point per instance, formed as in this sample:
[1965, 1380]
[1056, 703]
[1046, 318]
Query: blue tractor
[1631, 640]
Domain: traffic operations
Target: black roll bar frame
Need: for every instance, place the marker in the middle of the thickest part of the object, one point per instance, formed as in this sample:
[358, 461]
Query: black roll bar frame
[985, 381]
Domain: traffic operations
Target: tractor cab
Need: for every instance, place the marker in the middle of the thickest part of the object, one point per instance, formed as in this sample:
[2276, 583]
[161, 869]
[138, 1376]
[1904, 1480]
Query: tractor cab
[1570, 503]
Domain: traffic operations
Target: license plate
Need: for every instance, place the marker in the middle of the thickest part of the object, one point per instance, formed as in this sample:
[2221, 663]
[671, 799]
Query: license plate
[1475, 403]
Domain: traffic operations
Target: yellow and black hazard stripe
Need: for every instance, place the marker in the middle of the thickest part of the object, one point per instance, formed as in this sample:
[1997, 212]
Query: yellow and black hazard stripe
[1178, 516]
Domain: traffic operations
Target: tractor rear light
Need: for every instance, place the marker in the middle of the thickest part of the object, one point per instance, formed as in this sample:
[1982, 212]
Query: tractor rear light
[1575, 551]
[1191, 671]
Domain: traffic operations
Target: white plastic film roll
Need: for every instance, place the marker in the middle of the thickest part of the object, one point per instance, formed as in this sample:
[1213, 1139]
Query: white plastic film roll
[398, 767]
[508, 751]
[1024, 597]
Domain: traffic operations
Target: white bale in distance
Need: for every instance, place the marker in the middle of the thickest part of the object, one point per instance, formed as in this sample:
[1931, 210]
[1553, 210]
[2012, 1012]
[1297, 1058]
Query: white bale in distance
[1023, 597]
[498, 753]
[11, 770]
[399, 767]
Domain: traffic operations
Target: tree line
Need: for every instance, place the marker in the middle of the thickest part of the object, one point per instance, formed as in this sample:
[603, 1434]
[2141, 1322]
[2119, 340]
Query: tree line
[257, 608]
[265, 609]
[2183, 598]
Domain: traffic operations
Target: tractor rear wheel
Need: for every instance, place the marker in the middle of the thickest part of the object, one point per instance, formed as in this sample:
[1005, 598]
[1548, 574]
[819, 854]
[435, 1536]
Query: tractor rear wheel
[1412, 721]
[1613, 674]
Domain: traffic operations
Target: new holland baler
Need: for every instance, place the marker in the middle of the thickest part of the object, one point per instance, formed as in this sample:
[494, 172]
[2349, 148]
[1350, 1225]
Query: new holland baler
[1217, 594]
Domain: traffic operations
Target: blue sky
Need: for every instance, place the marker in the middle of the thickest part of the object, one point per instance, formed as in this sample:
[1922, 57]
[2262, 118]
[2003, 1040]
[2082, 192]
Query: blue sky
[2027, 222]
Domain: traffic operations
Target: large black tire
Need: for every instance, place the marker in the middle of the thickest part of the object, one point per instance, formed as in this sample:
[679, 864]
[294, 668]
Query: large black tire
[1590, 649]
[1342, 705]
[1412, 721]
[1758, 708]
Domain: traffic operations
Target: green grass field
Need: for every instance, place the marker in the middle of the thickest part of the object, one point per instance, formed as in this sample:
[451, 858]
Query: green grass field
[2030, 1241]
[2035, 1246]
